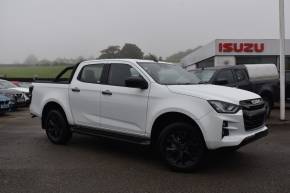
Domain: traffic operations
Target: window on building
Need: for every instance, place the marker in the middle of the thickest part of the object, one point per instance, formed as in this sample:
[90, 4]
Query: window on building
[256, 60]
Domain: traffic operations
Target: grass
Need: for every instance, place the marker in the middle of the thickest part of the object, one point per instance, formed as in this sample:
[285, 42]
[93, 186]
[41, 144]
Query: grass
[30, 71]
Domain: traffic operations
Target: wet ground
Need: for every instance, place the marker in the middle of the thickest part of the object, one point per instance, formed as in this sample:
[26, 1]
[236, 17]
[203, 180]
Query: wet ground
[30, 163]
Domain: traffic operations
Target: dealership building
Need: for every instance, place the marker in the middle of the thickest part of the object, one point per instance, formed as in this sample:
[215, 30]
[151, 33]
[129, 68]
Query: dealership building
[222, 52]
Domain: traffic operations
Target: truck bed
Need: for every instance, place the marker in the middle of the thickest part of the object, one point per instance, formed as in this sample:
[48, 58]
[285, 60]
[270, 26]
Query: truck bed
[45, 92]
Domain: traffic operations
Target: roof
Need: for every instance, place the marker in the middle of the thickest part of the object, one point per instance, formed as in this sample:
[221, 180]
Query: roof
[121, 60]
[223, 67]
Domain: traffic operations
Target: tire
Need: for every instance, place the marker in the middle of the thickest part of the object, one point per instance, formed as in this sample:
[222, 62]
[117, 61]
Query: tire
[56, 127]
[268, 105]
[181, 146]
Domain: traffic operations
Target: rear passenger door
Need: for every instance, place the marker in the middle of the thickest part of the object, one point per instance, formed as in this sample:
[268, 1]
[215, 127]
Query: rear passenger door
[242, 79]
[85, 95]
[123, 109]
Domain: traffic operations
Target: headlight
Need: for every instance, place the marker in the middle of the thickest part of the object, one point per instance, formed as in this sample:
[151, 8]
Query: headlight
[224, 107]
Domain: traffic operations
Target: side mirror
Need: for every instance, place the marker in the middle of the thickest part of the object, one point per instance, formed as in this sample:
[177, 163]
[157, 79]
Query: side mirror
[221, 82]
[136, 82]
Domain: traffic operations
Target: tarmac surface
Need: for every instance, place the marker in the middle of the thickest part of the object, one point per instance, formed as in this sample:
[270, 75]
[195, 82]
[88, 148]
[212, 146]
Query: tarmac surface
[30, 163]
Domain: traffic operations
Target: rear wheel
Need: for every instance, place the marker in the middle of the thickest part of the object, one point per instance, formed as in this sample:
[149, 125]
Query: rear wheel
[57, 129]
[181, 146]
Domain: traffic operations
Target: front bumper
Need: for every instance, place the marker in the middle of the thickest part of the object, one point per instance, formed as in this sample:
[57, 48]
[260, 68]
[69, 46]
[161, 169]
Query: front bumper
[21, 104]
[4, 110]
[212, 129]
[254, 137]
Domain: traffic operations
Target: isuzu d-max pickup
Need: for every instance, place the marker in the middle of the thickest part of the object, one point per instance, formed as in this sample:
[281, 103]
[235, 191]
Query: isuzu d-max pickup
[151, 103]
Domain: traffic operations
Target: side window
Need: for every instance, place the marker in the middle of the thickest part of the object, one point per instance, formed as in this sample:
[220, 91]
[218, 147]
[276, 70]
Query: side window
[240, 74]
[226, 75]
[119, 73]
[91, 73]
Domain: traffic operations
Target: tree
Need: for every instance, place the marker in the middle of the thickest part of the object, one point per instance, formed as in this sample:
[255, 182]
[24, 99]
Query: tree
[175, 58]
[44, 62]
[151, 57]
[110, 52]
[131, 51]
[31, 60]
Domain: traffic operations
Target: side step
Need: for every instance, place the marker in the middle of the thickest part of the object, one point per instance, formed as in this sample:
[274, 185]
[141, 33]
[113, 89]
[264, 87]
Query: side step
[112, 135]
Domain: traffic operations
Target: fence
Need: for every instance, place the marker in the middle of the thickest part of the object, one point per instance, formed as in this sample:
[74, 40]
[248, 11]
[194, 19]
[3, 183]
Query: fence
[27, 79]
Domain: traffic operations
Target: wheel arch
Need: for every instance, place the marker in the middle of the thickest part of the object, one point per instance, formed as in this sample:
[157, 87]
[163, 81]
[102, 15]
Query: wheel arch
[49, 106]
[269, 94]
[167, 118]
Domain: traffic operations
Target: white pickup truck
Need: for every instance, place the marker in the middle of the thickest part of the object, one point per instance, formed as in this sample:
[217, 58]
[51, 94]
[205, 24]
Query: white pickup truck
[148, 102]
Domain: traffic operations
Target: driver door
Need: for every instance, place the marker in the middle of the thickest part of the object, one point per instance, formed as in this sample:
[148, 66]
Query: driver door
[123, 109]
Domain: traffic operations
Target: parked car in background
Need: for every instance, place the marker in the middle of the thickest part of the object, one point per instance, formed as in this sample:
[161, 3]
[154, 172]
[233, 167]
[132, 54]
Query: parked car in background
[4, 84]
[262, 79]
[4, 104]
[22, 84]
[287, 86]
[149, 102]
[17, 99]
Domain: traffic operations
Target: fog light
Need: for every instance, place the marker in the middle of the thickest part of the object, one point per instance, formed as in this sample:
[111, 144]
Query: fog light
[225, 131]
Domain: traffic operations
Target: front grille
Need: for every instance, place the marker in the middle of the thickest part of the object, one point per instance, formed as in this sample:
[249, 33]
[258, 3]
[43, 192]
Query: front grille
[254, 113]
[18, 96]
[4, 102]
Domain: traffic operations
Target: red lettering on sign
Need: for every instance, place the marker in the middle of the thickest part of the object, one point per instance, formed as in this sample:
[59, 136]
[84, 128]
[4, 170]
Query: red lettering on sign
[241, 47]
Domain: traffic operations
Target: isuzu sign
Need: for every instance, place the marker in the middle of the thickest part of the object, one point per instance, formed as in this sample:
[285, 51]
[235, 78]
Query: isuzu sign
[246, 47]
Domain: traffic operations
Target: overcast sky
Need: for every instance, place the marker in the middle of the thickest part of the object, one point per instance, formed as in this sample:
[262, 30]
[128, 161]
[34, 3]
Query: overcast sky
[70, 28]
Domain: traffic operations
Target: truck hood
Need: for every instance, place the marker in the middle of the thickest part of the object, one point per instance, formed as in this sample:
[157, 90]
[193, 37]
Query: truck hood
[214, 92]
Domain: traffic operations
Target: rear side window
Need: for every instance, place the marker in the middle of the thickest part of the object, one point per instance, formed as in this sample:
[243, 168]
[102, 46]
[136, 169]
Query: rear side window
[241, 75]
[120, 72]
[226, 75]
[91, 73]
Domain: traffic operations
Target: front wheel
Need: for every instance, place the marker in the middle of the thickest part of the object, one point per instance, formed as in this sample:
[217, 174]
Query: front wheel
[181, 146]
[268, 106]
[57, 129]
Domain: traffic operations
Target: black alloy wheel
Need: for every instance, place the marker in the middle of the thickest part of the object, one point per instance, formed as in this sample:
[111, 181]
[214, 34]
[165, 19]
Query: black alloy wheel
[57, 128]
[181, 146]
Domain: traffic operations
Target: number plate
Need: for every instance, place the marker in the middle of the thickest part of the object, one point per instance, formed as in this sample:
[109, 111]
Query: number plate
[20, 100]
[4, 106]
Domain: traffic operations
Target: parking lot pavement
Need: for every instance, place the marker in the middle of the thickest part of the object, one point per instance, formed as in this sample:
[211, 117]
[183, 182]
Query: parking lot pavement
[30, 163]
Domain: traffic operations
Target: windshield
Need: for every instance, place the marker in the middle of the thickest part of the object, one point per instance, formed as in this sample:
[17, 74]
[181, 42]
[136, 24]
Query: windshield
[6, 84]
[169, 74]
[204, 75]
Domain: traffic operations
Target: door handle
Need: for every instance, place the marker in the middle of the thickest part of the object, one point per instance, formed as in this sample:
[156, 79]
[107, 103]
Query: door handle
[76, 89]
[107, 92]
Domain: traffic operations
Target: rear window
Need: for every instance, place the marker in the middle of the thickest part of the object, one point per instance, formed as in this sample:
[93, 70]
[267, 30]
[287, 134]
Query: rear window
[91, 73]
[226, 75]
[241, 75]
